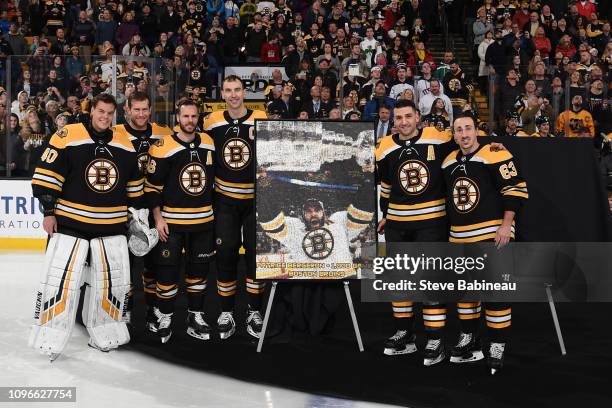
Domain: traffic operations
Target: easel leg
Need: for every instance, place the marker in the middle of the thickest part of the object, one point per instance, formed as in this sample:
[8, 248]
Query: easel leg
[553, 311]
[262, 335]
[349, 300]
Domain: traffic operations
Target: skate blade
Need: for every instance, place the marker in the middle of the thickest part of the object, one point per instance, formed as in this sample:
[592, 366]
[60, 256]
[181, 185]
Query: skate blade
[227, 335]
[409, 349]
[429, 362]
[476, 356]
[151, 327]
[165, 339]
[199, 336]
[252, 332]
[94, 346]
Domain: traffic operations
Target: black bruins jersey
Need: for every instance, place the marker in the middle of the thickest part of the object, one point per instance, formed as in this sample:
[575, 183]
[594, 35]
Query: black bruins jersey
[480, 187]
[411, 183]
[142, 140]
[180, 181]
[234, 145]
[93, 181]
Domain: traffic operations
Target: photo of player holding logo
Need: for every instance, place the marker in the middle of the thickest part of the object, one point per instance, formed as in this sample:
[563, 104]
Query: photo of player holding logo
[319, 225]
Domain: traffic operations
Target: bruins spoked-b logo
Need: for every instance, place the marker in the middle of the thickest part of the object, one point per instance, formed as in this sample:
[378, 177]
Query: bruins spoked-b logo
[143, 159]
[413, 176]
[101, 175]
[465, 195]
[318, 244]
[193, 179]
[236, 154]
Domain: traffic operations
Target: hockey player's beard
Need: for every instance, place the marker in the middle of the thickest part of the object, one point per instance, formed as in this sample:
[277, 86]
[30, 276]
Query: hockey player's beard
[187, 130]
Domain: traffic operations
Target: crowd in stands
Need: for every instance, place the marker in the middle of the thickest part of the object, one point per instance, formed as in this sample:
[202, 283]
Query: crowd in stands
[539, 63]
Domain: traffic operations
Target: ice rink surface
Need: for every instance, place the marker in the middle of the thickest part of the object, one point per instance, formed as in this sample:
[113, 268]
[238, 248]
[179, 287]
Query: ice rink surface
[121, 378]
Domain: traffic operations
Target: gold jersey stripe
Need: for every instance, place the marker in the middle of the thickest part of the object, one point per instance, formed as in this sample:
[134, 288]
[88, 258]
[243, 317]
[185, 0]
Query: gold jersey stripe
[92, 209]
[45, 184]
[229, 184]
[50, 173]
[87, 220]
[234, 195]
[190, 222]
[188, 210]
[438, 214]
[434, 203]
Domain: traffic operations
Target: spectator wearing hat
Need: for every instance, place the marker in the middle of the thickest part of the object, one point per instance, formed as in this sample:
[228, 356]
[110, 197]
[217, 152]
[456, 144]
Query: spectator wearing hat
[401, 83]
[380, 98]
[512, 128]
[542, 123]
[330, 79]
[367, 89]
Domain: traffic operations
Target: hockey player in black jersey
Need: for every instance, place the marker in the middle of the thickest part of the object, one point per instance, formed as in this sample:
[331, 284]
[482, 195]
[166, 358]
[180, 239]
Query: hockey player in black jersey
[484, 192]
[179, 191]
[142, 133]
[85, 180]
[412, 203]
[233, 133]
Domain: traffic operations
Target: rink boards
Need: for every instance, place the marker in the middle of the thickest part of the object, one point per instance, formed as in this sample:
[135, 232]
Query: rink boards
[21, 217]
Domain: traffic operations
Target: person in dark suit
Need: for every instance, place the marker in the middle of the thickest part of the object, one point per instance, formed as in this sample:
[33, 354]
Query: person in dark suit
[384, 123]
[315, 107]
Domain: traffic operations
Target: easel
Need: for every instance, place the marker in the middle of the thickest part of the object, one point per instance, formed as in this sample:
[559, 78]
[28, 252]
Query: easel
[553, 312]
[349, 301]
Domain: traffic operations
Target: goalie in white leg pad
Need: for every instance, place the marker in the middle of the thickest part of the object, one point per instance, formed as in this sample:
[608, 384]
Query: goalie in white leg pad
[106, 297]
[58, 295]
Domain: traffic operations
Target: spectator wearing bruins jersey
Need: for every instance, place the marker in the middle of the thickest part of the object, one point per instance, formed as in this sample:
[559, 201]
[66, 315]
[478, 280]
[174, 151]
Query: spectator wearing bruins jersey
[543, 126]
[484, 192]
[412, 203]
[142, 134]
[576, 121]
[87, 177]
[233, 133]
[179, 190]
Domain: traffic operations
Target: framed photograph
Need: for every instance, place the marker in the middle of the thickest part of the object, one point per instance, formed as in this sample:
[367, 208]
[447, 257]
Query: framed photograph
[315, 199]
